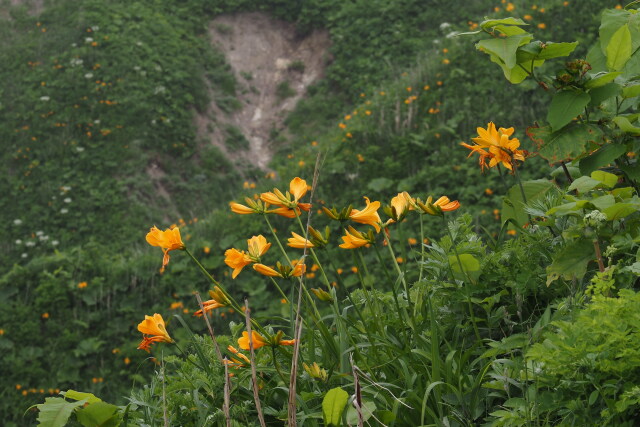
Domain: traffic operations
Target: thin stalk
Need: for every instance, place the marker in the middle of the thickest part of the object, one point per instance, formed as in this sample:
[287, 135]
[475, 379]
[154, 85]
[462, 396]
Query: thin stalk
[254, 374]
[394, 290]
[412, 320]
[277, 365]
[455, 251]
[275, 236]
[421, 248]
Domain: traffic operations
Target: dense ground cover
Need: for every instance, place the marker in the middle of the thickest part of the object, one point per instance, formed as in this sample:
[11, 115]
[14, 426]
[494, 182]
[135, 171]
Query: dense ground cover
[420, 108]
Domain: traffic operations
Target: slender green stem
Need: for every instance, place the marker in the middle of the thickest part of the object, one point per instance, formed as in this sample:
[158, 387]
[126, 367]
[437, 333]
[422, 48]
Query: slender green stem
[313, 253]
[404, 282]
[277, 365]
[394, 291]
[462, 270]
[421, 269]
[230, 299]
[275, 236]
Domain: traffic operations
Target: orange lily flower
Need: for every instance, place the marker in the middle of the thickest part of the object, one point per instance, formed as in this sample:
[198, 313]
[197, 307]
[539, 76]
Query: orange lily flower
[446, 205]
[266, 271]
[237, 260]
[297, 189]
[299, 242]
[400, 205]
[258, 340]
[218, 299]
[168, 240]
[241, 209]
[235, 363]
[154, 327]
[443, 204]
[501, 149]
[282, 270]
[257, 246]
[354, 239]
[369, 215]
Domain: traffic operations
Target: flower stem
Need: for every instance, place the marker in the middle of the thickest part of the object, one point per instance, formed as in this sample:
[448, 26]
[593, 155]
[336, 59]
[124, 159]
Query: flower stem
[275, 236]
[401, 275]
[455, 251]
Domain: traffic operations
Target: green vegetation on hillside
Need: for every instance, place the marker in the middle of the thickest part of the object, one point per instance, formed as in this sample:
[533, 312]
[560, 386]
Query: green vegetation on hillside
[97, 108]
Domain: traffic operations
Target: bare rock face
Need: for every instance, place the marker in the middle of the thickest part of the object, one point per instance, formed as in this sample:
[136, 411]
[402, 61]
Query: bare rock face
[274, 67]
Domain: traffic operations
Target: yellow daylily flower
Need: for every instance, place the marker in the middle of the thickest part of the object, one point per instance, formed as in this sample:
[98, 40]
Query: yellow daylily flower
[167, 240]
[369, 215]
[299, 242]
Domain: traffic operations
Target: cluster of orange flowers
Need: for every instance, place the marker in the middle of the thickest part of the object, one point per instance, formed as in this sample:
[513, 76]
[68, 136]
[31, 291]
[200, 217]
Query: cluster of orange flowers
[495, 146]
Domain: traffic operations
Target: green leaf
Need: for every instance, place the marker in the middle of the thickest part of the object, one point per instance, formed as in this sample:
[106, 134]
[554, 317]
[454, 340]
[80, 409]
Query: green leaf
[516, 74]
[566, 144]
[613, 20]
[513, 204]
[584, 184]
[601, 79]
[631, 91]
[55, 411]
[625, 125]
[556, 50]
[333, 405]
[571, 261]
[608, 179]
[602, 93]
[565, 106]
[504, 48]
[367, 411]
[603, 202]
[489, 23]
[98, 414]
[470, 266]
[602, 157]
[596, 58]
[78, 395]
[620, 210]
[618, 50]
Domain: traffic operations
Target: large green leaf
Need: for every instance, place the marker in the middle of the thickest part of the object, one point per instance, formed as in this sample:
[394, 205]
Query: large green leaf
[618, 50]
[470, 266]
[602, 157]
[567, 144]
[367, 410]
[539, 50]
[631, 91]
[489, 23]
[596, 58]
[333, 405]
[601, 79]
[55, 411]
[625, 125]
[504, 48]
[513, 204]
[98, 414]
[565, 106]
[518, 73]
[608, 179]
[571, 261]
[620, 210]
[79, 395]
[613, 20]
[602, 93]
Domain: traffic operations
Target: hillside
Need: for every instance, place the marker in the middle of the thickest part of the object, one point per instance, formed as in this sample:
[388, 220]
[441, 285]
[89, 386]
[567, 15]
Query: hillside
[123, 115]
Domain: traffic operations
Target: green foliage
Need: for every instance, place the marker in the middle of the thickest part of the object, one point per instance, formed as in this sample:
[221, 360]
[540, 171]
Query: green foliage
[440, 333]
[594, 355]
